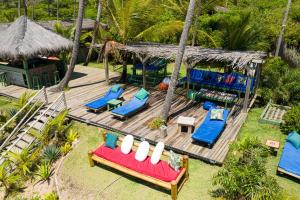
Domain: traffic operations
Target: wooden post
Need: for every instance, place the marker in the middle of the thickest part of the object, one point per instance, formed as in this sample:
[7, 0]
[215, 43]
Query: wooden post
[258, 74]
[174, 190]
[105, 61]
[247, 94]
[104, 136]
[144, 75]
[188, 78]
[185, 160]
[27, 74]
[45, 95]
[64, 100]
[91, 161]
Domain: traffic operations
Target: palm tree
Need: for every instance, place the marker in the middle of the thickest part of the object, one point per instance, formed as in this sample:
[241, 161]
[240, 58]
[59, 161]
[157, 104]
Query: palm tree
[7, 179]
[183, 39]
[21, 160]
[96, 30]
[19, 8]
[65, 81]
[238, 33]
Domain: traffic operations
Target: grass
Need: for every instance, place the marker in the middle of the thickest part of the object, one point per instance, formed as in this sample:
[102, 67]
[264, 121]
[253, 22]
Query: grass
[4, 101]
[103, 183]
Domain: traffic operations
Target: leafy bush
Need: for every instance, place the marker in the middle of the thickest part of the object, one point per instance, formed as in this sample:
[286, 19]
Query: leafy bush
[10, 181]
[51, 153]
[279, 83]
[51, 196]
[65, 148]
[44, 172]
[244, 175]
[72, 136]
[156, 123]
[291, 120]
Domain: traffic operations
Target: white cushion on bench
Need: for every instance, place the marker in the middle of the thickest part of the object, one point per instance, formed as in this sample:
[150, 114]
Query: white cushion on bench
[127, 144]
[142, 152]
[158, 150]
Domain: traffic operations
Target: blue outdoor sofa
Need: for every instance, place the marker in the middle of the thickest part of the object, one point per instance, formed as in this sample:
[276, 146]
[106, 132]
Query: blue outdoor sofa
[101, 103]
[209, 131]
[133, 106]
[290, 161]
[209, 79]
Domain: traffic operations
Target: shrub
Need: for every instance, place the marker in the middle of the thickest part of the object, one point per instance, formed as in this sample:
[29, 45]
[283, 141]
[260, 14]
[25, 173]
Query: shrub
[51, 196]
[44, 172]
[65, 148]
[156, 123]
[244, 175]
[291, 120]
[51, 153]
[72, 136]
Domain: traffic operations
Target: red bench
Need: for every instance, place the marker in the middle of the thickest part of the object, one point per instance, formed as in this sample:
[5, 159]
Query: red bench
[160, 174]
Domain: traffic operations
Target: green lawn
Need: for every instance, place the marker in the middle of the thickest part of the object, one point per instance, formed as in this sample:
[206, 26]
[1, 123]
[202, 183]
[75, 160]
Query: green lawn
[105, 184]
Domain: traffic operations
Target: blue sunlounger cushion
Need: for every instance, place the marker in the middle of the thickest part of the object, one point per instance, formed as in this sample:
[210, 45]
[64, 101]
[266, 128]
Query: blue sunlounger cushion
[209, 130]
[115, 88]
[290, 159]
[142, 94]
[131, 107]
[209, 105]
[102, 102]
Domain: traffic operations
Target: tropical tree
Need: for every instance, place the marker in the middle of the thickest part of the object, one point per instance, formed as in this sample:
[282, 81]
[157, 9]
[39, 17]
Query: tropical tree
[65, 81]
[239, 34]
[95, 33]
[10, 181]
[183, 39]
[244, 175]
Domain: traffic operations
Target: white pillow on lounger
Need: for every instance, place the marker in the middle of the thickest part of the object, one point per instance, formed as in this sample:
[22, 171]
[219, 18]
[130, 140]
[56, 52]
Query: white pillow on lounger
[142, 152]
[127, 144]
[158, 150]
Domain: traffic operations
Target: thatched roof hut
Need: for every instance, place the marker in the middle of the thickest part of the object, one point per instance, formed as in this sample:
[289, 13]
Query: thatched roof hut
[194, 55]
[25, 39]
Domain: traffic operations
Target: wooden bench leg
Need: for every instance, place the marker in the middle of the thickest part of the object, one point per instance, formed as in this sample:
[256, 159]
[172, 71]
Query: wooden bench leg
[174, 190]
[186, 166]
[91, 161]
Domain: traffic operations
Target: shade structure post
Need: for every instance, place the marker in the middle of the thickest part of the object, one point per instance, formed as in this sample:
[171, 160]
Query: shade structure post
[247, 94]
[27, 74]
[105, 62]
[188, 78]
[258, 75]
[144, 75]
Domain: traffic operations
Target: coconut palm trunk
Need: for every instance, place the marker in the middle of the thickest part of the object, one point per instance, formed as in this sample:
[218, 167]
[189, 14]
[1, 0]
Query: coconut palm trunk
[57, 10]
[198, 12]
[284, 22]
[19, 8]
[183, 39]
[65, 81]
[96, 27]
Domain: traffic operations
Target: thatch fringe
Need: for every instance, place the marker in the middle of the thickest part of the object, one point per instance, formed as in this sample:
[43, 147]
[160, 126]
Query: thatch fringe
[194, 55]
[25, 39]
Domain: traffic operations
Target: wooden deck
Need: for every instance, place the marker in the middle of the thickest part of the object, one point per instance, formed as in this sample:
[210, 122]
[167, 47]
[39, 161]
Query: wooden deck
[89, 84]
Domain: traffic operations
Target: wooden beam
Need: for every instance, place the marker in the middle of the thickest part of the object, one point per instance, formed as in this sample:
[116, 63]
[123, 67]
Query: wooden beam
[105, 62]
[27, 74]
[258, 75]
[247, 95]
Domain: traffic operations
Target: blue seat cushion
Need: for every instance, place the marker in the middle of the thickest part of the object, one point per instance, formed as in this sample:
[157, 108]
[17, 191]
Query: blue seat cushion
[290, 159]
[209, 105]
[210, 130]
[131, 107]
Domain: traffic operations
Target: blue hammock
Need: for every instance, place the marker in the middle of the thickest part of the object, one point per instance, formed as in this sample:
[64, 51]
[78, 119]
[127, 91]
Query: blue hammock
[102, 102]
[209, 130]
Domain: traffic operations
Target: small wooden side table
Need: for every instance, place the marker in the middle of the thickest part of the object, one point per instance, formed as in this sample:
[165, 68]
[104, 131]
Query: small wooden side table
[274, 146]
[187, 123]
[114, 103]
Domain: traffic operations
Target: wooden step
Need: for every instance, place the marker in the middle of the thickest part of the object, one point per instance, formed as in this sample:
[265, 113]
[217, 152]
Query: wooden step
[20, 144]
[26, 137]
[42, 119]
[35, 124]
[14, 149]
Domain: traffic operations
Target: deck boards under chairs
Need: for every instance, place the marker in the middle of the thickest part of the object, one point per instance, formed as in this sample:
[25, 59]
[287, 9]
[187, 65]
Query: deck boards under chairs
[89, 84]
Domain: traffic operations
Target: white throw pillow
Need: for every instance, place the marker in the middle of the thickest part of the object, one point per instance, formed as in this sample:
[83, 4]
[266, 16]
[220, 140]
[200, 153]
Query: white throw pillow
[127, 144]
[158, 150]
[142, 152]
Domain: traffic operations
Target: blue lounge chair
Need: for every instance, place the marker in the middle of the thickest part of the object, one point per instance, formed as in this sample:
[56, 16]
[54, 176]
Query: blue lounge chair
[130, 108]
[209, 130]
[100, 103]
[290, 161]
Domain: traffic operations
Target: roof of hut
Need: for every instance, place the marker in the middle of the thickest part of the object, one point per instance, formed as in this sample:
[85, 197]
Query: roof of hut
[27, 39]
[194, 55]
